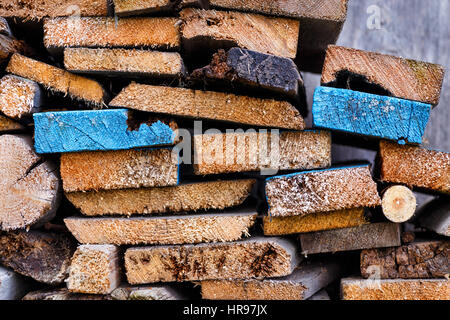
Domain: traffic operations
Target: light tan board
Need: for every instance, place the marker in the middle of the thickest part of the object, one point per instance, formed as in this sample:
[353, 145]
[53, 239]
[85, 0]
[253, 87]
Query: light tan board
[162, 230]
[253, 258]
[214, 29]
[94, 269]
[58, 80]
[395, 289]
[402, 78]
[252, 151]
[86, 171]
[321, 191]
[145, 201]
[209, 105]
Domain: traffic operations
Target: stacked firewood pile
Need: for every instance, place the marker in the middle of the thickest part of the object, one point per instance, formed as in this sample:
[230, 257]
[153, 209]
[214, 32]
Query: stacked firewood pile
[158, 149]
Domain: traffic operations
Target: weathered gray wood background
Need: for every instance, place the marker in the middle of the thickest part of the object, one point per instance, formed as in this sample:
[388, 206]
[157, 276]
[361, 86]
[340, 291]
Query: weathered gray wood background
[415, 29]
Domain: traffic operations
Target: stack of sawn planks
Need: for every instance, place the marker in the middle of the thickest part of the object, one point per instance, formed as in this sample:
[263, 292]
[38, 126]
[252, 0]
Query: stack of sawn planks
[102, 168]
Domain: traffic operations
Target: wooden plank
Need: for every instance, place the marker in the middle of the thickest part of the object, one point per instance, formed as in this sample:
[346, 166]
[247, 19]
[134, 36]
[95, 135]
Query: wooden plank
[57, 80]
[124, 62]
[8, 125]
[45, 257]
[370, 115]
[99, 130]
[251, 151]
[61, 294]
[214, 227]
[414, 166]
[220, 29]
[319, 221]
[146, 201]
[402, 78]
[19, 97]
[94, 269]
[299, 194]
[305, 281]
[124, 8]
[435, 216]
[374, 235]
[29, 187]
[154, 292]
[253, 258]
[247, 68]
[395, 289]
[32, 10]
[398, 204]
[209, 105]
[417, 260]
[12, 285]
[91, 32]
[107, 170]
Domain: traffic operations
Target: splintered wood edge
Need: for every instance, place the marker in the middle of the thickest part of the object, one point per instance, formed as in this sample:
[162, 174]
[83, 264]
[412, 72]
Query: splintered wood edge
[398, 204]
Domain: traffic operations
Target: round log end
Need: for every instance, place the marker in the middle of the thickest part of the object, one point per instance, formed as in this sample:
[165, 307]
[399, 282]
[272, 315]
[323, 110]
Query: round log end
[398, 204]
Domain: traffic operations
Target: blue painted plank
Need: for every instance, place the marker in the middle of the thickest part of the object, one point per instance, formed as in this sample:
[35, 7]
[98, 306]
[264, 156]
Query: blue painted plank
[95, 130]
[370, 115]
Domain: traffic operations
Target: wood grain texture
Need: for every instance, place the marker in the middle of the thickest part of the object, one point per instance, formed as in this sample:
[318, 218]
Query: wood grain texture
[29, 185]
[98, 130]
[94, 269]
[370, 115]
[214, 227]
[124, 62]
[140, 7]
[32, 9]
[253, 258]
[414, 166]
[154, 292]
[209, 105]
[417, 260]
[402, 78]
[435, 216]
[374, 235]
[303, 193]
[220, 29]
[110, 170]
[251, 151]
[146, 201]
[398, 204]
[19, 97]
[314, 222]
[57, 80]
[305, 281]
[12, 285]
[45, 257]
[395, 289]
[8, 125]
[108, 33]
[9, 45]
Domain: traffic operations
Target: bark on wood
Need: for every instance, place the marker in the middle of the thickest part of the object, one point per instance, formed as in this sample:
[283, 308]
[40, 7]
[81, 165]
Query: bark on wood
[32, 9]
[107, 170]
[220, 227]
[99, 130]
[44, 257]
[314, 222]
[429, 259]
[29, 186]
[402, 78]
[414, 166]
[435, 216]
[124, 62]
[57, 80]
[209, 105]
[105, 32]
[94, 269]
[12, 285]
[62, 294]
[252, 151]
[154, 292]
[8, 125]
[218, 29]
[124, 8]
[398, 204]
[395, 289]
[19, 97]
[146, 201]
[374, 235]
[305, 281]
[370, 115]
[253, 258]
[303, 193]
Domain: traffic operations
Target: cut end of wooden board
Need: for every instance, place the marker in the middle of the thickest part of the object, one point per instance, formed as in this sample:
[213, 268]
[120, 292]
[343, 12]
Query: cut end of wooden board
[398, 204]
[299, 194]
[139, 7]
[19, 97]
[146, 201]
